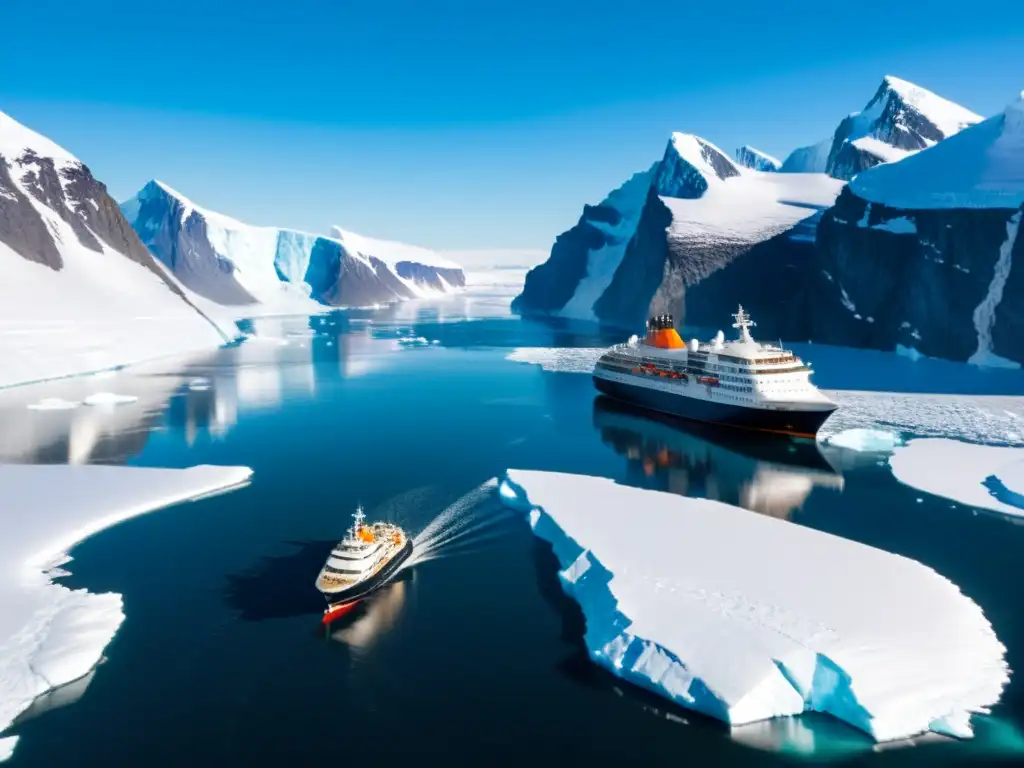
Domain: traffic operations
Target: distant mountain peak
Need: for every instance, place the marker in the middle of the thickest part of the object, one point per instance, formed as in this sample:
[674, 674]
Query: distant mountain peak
[690, 164]
[901, 118]
[755, 159]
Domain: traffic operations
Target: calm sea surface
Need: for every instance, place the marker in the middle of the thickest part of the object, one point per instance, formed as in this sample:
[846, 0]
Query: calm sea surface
[472, 658]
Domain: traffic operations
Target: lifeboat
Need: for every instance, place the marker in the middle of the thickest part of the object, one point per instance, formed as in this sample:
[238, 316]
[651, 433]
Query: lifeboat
[711, 381]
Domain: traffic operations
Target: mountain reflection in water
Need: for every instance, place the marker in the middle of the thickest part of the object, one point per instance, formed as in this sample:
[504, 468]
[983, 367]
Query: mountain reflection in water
[763, 473]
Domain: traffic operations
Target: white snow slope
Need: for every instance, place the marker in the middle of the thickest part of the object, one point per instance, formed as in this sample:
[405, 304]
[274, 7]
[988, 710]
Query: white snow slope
[746, 617]
[99, 311]
[751, 207]
[980, 167]
[51, 635]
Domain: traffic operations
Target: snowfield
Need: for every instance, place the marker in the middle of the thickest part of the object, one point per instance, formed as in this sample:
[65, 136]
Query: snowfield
[745, 617]
[51, 635]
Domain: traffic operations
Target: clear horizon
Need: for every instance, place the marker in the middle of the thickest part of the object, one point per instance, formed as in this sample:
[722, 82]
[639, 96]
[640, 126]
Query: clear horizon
[460, 127]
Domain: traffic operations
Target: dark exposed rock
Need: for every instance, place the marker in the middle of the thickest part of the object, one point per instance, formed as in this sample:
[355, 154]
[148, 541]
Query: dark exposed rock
[427, 275]
[21, 227]
[920, 285]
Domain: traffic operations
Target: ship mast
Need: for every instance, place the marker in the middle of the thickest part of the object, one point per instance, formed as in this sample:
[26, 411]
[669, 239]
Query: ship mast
[743, 322]
[358, 517]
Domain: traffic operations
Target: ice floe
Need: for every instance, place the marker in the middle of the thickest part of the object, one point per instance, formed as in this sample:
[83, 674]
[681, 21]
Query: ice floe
[983, 476]
[51, 635]
[109, 398]
[53, 404]
[562, 359]
[745, 617]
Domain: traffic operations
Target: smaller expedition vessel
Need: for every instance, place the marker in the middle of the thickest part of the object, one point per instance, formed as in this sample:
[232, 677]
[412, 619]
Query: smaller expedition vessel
[364, 560]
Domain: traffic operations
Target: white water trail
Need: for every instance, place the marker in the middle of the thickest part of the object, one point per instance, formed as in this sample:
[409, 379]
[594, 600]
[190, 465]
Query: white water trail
[454, 524]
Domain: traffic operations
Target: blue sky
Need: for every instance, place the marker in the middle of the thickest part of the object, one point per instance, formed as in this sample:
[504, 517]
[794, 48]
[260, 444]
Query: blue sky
[461, 124]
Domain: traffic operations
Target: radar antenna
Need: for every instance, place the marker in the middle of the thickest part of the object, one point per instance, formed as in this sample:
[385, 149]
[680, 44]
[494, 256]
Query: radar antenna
[743, 322]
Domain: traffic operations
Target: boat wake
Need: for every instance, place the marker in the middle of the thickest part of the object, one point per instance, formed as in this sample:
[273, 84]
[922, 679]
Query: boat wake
[462, 527]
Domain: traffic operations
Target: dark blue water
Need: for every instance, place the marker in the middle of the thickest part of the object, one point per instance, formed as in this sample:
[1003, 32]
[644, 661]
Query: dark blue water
[474, 658]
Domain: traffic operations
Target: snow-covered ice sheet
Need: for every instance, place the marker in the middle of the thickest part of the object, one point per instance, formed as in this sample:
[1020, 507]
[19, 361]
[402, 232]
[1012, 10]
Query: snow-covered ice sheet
[51, 635]
[964, 473]
[745, 617]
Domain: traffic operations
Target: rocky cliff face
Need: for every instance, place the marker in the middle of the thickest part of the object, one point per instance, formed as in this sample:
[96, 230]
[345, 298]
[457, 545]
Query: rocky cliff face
[917, 252]
[934, 280]
[709, 231]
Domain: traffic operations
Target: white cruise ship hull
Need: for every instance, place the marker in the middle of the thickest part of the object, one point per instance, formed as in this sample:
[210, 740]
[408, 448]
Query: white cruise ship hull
[696, 402]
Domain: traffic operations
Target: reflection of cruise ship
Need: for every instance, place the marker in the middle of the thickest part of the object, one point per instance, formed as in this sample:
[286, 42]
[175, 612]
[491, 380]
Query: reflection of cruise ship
[361, 562]
[740, 383]
[762, 473]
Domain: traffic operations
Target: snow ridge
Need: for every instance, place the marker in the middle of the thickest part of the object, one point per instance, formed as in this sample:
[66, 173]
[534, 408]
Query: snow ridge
[757, 160]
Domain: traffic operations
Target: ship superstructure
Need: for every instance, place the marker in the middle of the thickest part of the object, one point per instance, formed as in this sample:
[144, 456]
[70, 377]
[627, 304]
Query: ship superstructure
[366, 558]
[739, 382]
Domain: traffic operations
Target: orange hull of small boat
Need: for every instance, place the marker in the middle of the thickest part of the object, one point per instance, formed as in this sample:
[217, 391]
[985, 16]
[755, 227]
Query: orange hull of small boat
[336, 612]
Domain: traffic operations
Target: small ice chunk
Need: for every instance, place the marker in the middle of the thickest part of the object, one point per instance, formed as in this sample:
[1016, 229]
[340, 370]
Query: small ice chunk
[109, 398]
[745, 617]
[866, 440]
[7, 745]
[53, 404]
[199, 383]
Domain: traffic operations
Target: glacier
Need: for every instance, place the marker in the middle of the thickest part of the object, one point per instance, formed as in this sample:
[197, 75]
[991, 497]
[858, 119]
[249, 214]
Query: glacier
[51, 635]
[744, 617]
[248, 270]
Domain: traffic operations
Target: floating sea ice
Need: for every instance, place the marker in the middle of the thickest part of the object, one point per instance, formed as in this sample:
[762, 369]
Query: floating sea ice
[109, 398]
[412, 341]
[962, 472]
[51, 635]
[53, 404]
[866, 440]
[199, 383]
[7, 746]
[746, 617]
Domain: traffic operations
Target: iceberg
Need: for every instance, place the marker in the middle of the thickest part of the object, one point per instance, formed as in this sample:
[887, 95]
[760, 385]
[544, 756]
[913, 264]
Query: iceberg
[744, 617]
[51, 635]
[985, 476]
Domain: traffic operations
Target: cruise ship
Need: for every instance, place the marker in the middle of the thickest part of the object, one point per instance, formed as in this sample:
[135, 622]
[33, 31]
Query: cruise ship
[738, 383]
[364, 560]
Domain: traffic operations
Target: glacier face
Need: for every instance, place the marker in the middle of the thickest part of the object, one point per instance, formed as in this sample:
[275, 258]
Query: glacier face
[745, 617]
[757, 160]
[278, 271]
[79, 292]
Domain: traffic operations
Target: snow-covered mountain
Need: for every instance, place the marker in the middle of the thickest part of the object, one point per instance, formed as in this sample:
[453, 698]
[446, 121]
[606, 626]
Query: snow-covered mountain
[694, 233]
[899, 120]
[79, 291]
[925, 253]
[261, 270]
[749, 157]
